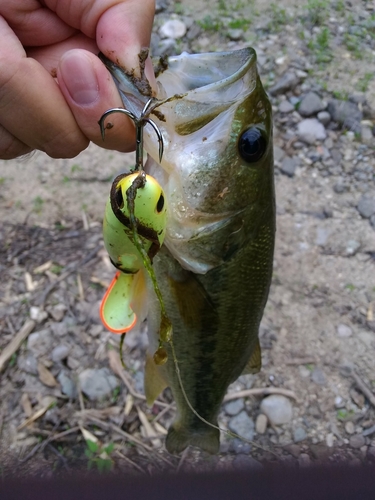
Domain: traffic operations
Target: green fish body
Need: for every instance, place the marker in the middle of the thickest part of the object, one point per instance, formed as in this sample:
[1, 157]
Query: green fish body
[215, 267]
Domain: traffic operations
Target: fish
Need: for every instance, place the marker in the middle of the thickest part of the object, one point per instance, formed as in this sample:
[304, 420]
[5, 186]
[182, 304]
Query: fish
[214, 268]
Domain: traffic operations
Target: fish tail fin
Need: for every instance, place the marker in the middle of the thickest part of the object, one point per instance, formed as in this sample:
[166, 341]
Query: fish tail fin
[180, 437]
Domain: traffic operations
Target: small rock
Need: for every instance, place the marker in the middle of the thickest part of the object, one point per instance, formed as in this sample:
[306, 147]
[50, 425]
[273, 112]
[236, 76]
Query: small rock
[60, 352]
[301, 74]
[241, 462]
[57, 312]
[311, 104]
[330, 439]
[304, 372]
[73, 363]
[278, 154]
[239, 446]
[299, 434]
[349, 427]
[160, 5]
[294, 450]
[40, 343]
[320, 451]
[194, 32]
[318, 376]
[60, 329]
[324, 117]
[339, 402]
[366, 135]
[166, 47]
[357, 397]
[340, 187]
[352, 247]
[38, 314]
[28, 364]
[345, 113]
[344, 331]
[371, 453]
[369, 431]
[53, 416]
[357, 441]
[322, 234]
[286, 107]
[139, 381]
[67, 385]
[366, 205]
[235, 34]
[174, 28]
[136, 338]
[304, 460]
[261, 423]
[234, 407]
[96, 330]
[314, 410]
[97, 383]
[242, 425]
[277, 408]
[287, 82]
[288, 166]
[311, 130]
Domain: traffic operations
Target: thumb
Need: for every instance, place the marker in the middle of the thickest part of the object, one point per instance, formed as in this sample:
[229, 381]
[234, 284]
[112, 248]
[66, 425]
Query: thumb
[90, 91]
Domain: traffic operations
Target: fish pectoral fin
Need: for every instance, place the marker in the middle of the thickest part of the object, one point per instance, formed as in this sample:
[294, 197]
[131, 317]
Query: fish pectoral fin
[255, 362]
[193, 301]
[116, 312]
[155, 383]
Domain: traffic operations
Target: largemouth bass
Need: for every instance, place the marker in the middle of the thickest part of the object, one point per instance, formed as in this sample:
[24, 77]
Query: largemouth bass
[214, 269]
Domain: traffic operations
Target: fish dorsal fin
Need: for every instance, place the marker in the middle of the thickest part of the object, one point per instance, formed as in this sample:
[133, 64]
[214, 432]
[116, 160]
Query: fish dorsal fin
[155, 383]
[255, 362]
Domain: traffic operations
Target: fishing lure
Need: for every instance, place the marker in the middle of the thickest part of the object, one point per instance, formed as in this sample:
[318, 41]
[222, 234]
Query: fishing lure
[134, 228]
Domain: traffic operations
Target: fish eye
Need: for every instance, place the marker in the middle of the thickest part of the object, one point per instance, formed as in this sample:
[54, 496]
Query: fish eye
[160, 203]
[119, 198]
[252, 145]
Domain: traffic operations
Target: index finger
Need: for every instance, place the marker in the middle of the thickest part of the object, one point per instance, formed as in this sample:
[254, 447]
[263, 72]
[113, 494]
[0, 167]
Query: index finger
[121, 29]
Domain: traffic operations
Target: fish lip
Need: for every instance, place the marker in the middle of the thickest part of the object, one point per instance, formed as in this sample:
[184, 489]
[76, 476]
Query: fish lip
[134, 100]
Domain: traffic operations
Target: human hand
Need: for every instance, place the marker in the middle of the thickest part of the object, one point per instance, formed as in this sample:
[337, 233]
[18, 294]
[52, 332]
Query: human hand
[44, 39]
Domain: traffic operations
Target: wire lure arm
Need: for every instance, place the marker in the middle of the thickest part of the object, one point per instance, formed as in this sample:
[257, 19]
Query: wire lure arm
[139, 125]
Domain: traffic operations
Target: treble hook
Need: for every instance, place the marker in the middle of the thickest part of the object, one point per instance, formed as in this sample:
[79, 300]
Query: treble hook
[139, 125]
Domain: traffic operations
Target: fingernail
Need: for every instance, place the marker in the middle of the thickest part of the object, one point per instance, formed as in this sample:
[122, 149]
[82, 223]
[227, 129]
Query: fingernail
[79, 77]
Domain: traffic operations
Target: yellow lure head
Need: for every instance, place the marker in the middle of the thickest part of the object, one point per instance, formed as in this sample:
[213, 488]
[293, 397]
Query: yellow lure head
[149, 212]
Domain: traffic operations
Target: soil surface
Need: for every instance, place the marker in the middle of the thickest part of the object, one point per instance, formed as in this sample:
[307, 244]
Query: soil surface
[318, 330]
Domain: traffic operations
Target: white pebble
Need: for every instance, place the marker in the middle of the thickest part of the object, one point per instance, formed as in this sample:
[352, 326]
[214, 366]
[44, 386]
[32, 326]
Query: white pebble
[173, 29]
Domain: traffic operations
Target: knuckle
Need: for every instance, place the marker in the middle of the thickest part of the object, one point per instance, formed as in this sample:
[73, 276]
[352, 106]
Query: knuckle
[10, 147]
[65, 145]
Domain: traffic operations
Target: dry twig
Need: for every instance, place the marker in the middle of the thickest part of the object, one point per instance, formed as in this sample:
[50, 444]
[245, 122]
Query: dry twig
[43, 444]
[15, 343]
[366, 391]
[263, 391]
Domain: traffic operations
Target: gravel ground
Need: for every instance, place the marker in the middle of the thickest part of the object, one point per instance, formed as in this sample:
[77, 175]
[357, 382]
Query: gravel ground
[314, 401]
